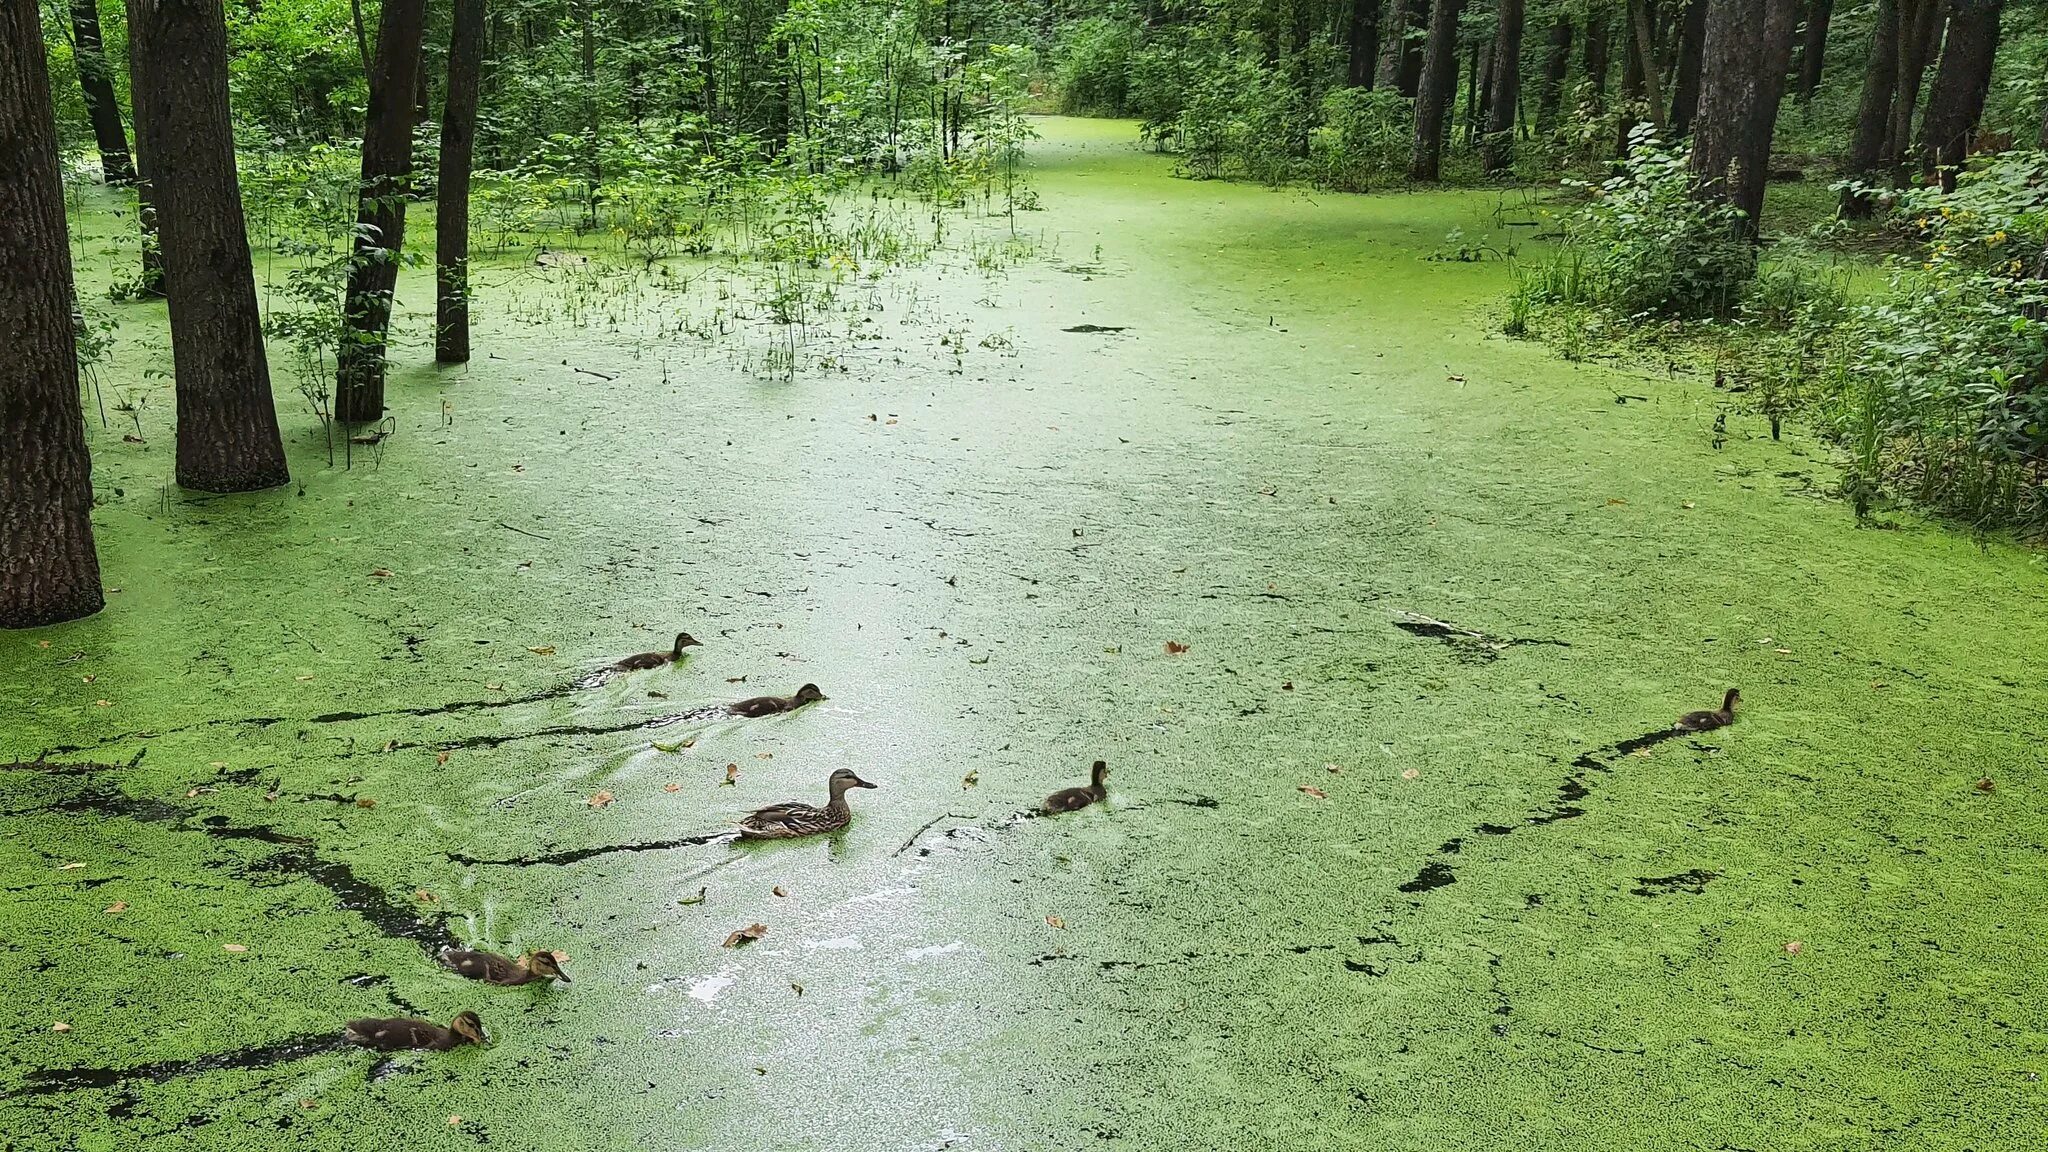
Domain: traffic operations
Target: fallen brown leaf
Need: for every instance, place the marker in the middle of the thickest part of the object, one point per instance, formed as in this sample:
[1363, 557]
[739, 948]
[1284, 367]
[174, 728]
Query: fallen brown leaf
[1312, 790]
[1052, 921]
[1985, 784]
[1332, 769]
[69, 867]
[365, 802]
[697, 899]
[425, 897]
[970, 780]
[779, 890]
[88, 679]
[671, 787]
[745, 936]
[103, 703]
[543, 650]
[1175, 647]
[441, 758]
[381, 573]
[764, 755]
[1793, 947]
[600, 799]
[732, 775]
[60, 1026]
[1287, 685]
[117, 907]
[1411, 773]
[1614, 501]
[234, 947]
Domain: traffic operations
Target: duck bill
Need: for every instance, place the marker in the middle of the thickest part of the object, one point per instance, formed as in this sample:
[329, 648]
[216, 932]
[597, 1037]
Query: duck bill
[860, 783]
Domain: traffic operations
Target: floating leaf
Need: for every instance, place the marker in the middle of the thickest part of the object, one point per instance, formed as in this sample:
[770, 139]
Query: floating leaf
[69, 867]
[88, 679]
[779, 890]
[797, 988]
[732, 775]
[1332, 769]
[543, 650]
[381, 573]
[697, 899]
[1175, 647]
[678, 746]
[117, 907]
[1312, 790]
[970, 780]
[671, 786]
[1985, 784]
[1411, 773]
[745, 936]
[1052, 921]
[1793, 947]
[600, 799]
[103, 703]
[425, 897]
[234, 947]
[60, 1026]
[365, 802]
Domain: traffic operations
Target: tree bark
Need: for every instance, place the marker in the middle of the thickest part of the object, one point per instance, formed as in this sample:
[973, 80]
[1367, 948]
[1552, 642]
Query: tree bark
[1594, 59]
[1874, 109]
[1557, 62]
[1641, 18]
[1814, 48]
[49, 571]
[1434, 90]
[101, 106]
[451, 197]
[1960, 84]
[1362, 40]
[380, 213]
[1685, 84]
[1498, 148]
[227, 417]
[1401, 59]
[1747, 50]
[1919, 25]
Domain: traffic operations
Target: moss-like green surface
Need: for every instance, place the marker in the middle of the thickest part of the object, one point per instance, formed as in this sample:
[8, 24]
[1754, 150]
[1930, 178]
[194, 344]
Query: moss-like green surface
[979, 548]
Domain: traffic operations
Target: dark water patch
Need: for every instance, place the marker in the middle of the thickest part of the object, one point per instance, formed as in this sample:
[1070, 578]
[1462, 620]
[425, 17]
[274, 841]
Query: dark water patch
[924, 828]
[1467, 644]
[1434, 875]
[1098, 328]
[391, 916]
[1646, 740]
[153, 733]
[49, 1081]
[44, 766]
[1693, 880]
[1365, 967]
[557, 692]
[499, 739]
[578, 855]
[381, 980]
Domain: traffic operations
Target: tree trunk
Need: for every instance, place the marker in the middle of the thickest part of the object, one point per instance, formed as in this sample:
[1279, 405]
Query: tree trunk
[1362, 40]
[1874, 109]
[145, 219]
[451, 197]
[1401, 59]
[101, 106]
[1685, 84]
[592, 127]
[1594, 60]
[1557, 62]
[227, 417]
[1960, 85]
[1645, 42]
[1747, 50]
[1475, 91]
[49, 571]
[1498, 152]
[1814, 47]
[1631, 81]
[380, 213]
[1919, 25]
[1434, 90]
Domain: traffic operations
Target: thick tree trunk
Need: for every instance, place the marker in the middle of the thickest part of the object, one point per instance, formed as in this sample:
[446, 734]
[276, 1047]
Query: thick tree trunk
[1960, 85]
[1594, 61]
[49, 571]
[1498, 152]
[1919, 26]
[1814, 46]
[1557, 61]
[1685, 83]
[227, 417]
[1433, 93]
[1748, 48]
[1401, 59]
[1362, 42]
[101, 106]
[451, 197]
[1874, 109]
[380, 214]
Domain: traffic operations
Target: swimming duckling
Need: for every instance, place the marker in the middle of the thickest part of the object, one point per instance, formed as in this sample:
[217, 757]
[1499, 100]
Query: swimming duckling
[770, 705]
[785, 821]
[1075, 799]
[1708, 721]
[492, 968]
[646, 660]
[397, 1035]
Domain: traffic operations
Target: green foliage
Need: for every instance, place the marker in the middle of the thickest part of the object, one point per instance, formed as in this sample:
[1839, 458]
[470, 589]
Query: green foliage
[1093, 66]
[1364, 140]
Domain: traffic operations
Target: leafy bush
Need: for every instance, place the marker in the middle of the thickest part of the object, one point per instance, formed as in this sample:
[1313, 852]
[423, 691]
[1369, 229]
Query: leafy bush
[1365, 139]
[1092, 66]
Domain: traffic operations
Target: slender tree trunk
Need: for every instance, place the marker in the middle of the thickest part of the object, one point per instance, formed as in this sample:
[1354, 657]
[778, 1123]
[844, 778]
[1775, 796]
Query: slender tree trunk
[592, 128]
[1594, 59]
[1499, 150]
[1960, 85]
[1685, 83]
[101, 106]
[1401, 59]
[451, 197]
[1362, 41]
[49, 571]
[145, 219]
[1748, 48]
[1874, 109]
[1475, 91]
[1919, 25]
[1434, 91]
[1631, 80]
[1641, 19]
[380, 214]
[227, 417]
[1814, 47]
[1557, 62]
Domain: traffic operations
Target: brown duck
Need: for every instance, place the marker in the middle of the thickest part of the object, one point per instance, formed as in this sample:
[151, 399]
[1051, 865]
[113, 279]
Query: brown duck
[492, 968]
[646, 660]
[1717, 718]
[1075, 799]
[792, 819]
[770, 705]
[397, 1035]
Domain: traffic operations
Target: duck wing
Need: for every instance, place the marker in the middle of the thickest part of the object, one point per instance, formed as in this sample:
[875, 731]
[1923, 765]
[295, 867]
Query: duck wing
[642, 661]
[394, 1035]
[1069, 800]
[760, 706]
[487, 966]
[784, 820]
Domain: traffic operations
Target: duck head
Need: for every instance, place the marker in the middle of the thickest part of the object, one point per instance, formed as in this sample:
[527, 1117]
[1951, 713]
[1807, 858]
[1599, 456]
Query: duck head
[685, 640]
[469, 1027]
[1098, 773]
[843, 779]
[1729, 701]
[808, 694]
[541, 962]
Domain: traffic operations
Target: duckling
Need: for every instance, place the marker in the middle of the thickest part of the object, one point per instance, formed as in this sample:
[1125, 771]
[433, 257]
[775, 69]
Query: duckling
[646, 660]
[1708, 721]
[492, 968]
[784, 821]
[770, 705]
[1075, 799]
[397, 1035]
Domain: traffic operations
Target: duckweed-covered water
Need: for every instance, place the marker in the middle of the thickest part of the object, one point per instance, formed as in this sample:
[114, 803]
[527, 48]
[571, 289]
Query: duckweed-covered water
[1391, 860]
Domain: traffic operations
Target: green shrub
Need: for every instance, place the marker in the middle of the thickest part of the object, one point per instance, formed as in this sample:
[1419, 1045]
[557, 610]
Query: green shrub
[1093, 65]
[1365, 138]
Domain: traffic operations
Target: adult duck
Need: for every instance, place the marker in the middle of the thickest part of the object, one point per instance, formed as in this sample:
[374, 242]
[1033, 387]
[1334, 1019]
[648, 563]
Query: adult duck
[1075, 799]
[1715, 718]
[640, 662]
[770, 705]
[492, 968]
[792, 819]
[398, 1035]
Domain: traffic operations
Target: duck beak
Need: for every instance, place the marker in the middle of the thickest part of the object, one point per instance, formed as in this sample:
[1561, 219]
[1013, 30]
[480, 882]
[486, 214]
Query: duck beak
[860, 783]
